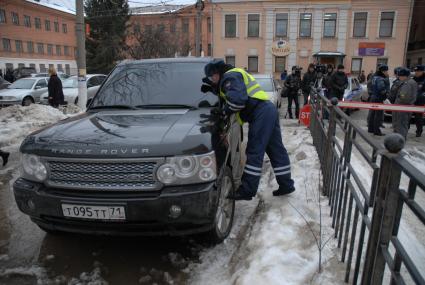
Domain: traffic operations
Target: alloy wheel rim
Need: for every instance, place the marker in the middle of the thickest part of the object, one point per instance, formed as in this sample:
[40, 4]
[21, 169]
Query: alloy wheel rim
[225, 206]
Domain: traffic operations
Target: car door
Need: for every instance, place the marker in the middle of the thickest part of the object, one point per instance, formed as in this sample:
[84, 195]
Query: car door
[39, 88]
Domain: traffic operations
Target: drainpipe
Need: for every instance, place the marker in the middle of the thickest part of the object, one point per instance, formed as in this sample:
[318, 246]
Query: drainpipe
[412, 4]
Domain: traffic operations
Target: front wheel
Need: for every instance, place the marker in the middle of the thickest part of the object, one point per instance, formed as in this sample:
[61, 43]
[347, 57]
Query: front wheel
[223, 220]
[27, 101]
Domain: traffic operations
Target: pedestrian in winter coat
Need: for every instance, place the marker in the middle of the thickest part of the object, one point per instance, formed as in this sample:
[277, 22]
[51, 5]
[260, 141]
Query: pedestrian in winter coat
[369, 76]
[420, 97]
[327, 80]
[244, 97]
[293, 84]
[56, 97]
[362, 77]
[309, 79]
[9, 76]
[380, 88]
[396, 85]
[4, 156]
[406, 95]
[338, 83]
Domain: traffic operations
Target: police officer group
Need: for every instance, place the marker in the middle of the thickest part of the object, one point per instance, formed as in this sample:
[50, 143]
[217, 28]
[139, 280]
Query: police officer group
[405, 90]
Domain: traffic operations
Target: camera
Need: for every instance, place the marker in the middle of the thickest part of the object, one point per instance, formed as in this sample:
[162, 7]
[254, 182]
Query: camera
[320, 68]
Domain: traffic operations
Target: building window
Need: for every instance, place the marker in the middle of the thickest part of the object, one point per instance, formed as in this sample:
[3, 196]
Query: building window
[253, 25]
[42, 68]
[230, 26]
[173, 28]
[209, 52]
[37, 23]
[252, 63]
[64, 28]
[67, 69]
[2, 16]
[66, 50]
[231, 59]
[360, 23]
[32, 65]
[49, 49]
[209, 24]
[6, 45]
[420, 60]
[386, 24]
[356, 65]
[19, 47]
[27, 21]
[279, 64]
[60, 68]
[9, 66]
[281, 25]
[329, 25]
[47, 25]
[21, 65]
[40, 48]
[51, 66]
[382, 60]
[56, 25]
[15, 18]
[58, 50]
[185, 26]
[305, 25]
[30, 47]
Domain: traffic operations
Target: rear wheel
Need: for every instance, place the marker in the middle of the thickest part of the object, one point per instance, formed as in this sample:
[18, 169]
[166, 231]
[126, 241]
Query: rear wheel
[223, 220]
[27, 101]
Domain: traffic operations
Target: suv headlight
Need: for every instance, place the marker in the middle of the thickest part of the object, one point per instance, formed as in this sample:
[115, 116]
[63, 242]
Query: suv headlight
[188, 169]
[33, 168]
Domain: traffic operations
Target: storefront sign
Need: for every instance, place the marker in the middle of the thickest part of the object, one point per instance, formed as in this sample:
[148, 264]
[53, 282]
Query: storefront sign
[371, 49]
[280, 48]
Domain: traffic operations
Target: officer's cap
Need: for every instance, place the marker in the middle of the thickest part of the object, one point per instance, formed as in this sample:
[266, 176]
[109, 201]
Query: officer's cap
[404, 72]
[214, 66]
[419, 67]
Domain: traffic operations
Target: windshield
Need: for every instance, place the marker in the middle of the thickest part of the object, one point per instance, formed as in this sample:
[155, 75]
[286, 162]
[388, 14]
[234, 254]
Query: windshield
[22, 84]
[172, 83]
[266, 84]
[70, 82]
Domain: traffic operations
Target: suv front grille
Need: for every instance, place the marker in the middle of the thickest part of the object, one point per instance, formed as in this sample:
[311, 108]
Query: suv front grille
[103, 175]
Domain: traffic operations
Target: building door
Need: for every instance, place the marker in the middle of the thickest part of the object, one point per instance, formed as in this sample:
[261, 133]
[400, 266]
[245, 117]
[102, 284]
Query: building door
[328, 60]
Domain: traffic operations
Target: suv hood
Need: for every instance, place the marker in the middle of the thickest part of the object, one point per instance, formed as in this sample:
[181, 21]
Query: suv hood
[123, 133]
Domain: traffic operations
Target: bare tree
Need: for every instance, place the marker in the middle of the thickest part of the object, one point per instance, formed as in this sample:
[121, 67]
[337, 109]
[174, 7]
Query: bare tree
[155, 42]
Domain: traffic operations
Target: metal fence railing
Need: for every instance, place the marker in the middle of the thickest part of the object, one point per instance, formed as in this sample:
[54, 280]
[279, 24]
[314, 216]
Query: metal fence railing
[365, 183]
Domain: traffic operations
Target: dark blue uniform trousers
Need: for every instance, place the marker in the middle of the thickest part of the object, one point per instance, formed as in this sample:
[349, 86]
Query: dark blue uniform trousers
[265, 136]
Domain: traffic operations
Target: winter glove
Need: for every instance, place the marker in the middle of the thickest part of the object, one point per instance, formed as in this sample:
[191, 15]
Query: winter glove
[207, 88]
[216, 114]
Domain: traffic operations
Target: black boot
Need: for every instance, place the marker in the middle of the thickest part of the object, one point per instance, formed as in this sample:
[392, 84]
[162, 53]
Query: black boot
[5, 156]
[283, 191]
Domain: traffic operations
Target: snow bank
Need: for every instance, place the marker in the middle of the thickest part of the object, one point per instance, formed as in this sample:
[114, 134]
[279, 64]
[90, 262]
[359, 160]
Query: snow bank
[282, 245]
[16, 122]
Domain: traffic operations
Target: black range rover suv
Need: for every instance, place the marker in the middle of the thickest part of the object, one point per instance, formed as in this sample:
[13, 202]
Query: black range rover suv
[142, 160]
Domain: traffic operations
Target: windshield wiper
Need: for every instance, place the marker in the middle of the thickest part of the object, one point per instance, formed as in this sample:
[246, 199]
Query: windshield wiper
[113, 107]
[165, 106]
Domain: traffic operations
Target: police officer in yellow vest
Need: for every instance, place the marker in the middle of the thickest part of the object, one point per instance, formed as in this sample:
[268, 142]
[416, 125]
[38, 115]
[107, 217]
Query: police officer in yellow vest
[244, 96]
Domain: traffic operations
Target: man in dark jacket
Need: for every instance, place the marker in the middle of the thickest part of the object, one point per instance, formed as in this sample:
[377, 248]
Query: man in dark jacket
[369, 76]
[292, 84]
[338, 83]
[56, 97]
[406, 95]
[362, 77]
[420, 97]
[327, 80]
[309, 78]
[380, 89]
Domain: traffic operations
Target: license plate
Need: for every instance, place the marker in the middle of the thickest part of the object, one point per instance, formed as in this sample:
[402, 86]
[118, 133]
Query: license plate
[94, 212]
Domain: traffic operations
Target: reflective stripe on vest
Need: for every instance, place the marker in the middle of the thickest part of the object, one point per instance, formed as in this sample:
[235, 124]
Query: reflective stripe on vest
[252, 87]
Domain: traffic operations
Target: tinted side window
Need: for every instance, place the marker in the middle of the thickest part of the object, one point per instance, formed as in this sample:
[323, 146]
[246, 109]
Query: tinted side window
[42, 83]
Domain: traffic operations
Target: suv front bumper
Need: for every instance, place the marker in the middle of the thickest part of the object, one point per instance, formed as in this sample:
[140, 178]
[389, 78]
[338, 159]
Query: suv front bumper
[146, 213]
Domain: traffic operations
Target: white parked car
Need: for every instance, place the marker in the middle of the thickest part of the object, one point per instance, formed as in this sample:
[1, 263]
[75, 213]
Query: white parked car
[268, 85]
[62, 76]
[70, 88]
[355, 91]
[24, 91]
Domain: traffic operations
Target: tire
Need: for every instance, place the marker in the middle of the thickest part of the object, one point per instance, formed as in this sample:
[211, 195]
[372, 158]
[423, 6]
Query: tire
[225, 211]
[27, 101]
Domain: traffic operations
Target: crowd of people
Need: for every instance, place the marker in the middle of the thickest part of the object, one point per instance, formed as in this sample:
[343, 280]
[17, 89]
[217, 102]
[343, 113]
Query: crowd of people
[405, 90]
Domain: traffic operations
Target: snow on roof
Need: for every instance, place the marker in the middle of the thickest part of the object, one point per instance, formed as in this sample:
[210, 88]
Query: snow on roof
[157, 9]
[60, 5]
